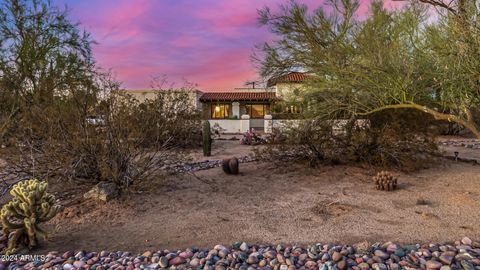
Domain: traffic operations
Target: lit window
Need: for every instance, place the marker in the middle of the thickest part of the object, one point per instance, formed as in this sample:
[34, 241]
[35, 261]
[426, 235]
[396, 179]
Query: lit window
[220, 111]
[292, 109]
[257, 110]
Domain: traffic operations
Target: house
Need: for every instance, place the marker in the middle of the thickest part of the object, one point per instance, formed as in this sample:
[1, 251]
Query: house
[242, 109]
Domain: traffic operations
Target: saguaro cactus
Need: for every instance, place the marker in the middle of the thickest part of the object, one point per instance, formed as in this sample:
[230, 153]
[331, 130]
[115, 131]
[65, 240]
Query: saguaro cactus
[207, 139]
[20, 218]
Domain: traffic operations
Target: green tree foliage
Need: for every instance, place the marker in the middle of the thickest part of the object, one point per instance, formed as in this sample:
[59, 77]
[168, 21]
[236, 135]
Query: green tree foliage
[65, 117]
[43, 58]
[416, 57]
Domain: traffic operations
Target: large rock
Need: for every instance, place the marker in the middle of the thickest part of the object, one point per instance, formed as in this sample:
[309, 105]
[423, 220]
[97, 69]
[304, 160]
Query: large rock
[466, 241]
[104, 191]
[336, 256]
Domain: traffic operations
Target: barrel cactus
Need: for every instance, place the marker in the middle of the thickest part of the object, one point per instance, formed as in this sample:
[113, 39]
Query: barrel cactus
[385, 181]
[21, 217]
[230, 165]
[207, 139]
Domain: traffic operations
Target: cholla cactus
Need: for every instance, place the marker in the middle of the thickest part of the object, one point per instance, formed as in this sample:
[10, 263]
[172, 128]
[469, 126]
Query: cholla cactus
[385, 181]
[20, 218]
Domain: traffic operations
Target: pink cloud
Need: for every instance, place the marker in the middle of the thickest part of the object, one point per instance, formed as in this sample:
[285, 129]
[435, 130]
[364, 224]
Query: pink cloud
[208, 42]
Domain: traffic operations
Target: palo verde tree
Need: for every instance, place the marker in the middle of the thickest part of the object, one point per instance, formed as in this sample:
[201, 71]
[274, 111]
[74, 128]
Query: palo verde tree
[49, 84]
[424, 56]
[44, 59]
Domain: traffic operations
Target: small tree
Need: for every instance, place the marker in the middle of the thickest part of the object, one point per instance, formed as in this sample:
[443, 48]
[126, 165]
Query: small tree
[43, 57]
[390, 60]
[67, 117]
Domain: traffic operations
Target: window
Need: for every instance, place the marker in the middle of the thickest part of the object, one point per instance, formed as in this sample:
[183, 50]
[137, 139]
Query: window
[220, 111]
[292, 109]
[257, 110]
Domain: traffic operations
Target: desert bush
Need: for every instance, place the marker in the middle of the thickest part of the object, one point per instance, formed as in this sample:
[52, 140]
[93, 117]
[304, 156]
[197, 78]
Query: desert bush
[252, 138]
[401, 139]
[305, 141]
[141, 137]
[404, 139]
[20, 218]
[51, 87]
[170, 118]
[129, 142]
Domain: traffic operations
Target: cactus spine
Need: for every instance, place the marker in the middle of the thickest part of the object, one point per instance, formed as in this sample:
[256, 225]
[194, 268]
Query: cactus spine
[20, 218]
[207, 139]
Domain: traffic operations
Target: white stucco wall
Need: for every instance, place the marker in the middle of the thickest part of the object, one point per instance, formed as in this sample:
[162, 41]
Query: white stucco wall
[338, 125]
[227, 125]
[241, 125]
[282, 123]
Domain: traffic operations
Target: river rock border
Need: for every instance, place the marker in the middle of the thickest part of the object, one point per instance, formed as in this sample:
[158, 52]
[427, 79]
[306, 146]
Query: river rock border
[470, 143]
[202, 165]
[464, 254]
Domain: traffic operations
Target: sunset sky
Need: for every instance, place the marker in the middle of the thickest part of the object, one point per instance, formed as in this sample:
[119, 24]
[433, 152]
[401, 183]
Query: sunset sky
[207, 42]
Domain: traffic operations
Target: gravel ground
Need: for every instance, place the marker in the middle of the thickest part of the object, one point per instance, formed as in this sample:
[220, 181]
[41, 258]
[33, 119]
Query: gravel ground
[464, 254]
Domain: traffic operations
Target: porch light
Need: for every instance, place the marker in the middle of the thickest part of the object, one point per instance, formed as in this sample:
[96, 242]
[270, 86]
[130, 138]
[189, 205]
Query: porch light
[217, 108]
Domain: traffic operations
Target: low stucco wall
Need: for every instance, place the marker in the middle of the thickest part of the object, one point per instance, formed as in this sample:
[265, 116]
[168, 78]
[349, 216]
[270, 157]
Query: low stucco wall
[282, 123]
[338, 125]
[230, 125]
[243, 124]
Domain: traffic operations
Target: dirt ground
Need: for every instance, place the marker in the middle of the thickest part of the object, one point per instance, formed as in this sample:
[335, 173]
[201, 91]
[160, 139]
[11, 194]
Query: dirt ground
[268, 204]
[272, 204]
[227, 147]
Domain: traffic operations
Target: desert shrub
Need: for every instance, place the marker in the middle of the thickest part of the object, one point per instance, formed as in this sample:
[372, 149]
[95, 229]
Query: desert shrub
[141, 137]
[63, 115]
[252, 138]
[129, 141]
[404, 139]
[307, 140]
[20, 218]
[170, 118]
[401, 139]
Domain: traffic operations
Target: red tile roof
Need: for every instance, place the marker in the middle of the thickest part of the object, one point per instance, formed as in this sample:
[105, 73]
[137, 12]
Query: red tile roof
[238, 96]
[292, 77]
